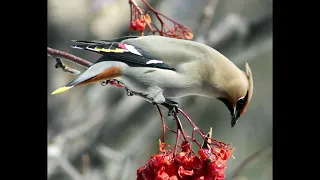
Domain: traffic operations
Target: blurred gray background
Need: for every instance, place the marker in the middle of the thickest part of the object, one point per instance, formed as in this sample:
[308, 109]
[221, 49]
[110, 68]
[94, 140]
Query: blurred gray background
[99, 133]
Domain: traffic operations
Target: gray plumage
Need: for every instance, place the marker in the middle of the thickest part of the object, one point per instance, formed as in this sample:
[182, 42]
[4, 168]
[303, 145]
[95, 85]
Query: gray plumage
[162, 67]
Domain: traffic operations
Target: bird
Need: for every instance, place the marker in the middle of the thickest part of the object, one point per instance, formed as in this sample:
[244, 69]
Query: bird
[163, 68]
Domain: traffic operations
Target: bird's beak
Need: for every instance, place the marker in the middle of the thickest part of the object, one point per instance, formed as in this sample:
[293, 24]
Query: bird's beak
[234, 117]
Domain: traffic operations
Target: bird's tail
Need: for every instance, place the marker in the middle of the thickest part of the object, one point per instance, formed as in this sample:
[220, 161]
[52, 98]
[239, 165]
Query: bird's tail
[95, 73]
[70, 85]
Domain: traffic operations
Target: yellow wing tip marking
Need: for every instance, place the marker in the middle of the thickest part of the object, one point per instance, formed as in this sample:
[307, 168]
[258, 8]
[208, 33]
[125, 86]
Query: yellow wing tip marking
[117, 50]
[62, 89]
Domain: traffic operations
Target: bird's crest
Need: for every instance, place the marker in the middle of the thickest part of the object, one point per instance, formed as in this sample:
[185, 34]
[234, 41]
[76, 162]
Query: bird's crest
[250, 81]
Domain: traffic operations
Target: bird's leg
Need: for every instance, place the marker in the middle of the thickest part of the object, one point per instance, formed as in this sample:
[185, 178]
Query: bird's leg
[113, 82]
[172, 106]
[129, 92]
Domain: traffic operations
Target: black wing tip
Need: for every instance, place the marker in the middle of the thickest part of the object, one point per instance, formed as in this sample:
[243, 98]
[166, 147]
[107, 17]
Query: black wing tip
[93, 42]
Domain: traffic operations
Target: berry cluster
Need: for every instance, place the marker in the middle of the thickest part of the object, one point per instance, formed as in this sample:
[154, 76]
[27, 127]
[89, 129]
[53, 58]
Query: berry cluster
[141, 21]
[209, 164]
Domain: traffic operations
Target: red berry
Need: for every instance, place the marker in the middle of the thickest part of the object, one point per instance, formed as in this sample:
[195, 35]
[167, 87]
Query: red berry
[138, 24]
[205, 154]
[172, 169]
[146, 174]
[219, 176]
[185, 146]
[173, 178]
[141, 25]
[182, 172]
[196, 163]
[133, 25]
[142, 168]
[163, 159]
[182, 157]
[198, 177]
[162, 175]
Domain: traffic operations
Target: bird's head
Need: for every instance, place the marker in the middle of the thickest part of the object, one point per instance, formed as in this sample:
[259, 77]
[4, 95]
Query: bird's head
[238, 95]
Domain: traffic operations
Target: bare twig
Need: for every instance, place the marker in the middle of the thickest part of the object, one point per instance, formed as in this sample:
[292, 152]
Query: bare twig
[69, 169]
[163, 123]
[177, 31]
[71, 142]
[249, 159]
[234, 25]
[65, 68]
[206, 17]
[72, 58]
[133, 2]
[109, 153]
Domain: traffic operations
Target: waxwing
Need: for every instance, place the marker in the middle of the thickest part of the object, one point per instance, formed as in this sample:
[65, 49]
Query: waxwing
[162, 68]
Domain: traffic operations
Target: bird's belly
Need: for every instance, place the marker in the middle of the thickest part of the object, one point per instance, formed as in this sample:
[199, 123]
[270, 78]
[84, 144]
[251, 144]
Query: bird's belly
[134, 85]
[171, 84]
[168, 91]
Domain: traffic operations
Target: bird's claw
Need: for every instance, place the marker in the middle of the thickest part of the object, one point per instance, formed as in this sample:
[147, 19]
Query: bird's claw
[129, 93]
[103, 83]
[171, 105]
[173, 109]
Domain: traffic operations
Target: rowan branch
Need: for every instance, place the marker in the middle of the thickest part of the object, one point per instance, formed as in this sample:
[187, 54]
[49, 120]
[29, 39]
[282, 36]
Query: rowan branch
[72, 58]
[178, 30]
[65, 68]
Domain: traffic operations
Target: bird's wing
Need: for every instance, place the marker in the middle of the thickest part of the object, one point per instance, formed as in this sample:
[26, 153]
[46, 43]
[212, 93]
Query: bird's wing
[119, 50]
[173, 52]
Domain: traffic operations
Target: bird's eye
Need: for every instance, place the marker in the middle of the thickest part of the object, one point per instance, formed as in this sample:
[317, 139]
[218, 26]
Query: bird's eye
[240, 101]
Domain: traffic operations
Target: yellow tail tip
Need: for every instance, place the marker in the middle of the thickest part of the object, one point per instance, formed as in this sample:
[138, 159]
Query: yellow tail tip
[62, 89]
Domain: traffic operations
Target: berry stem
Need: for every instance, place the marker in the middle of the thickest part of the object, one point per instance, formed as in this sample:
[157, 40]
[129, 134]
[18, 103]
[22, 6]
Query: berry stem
[179, 126]
[177, 141]
[192, 123]
[162, 122]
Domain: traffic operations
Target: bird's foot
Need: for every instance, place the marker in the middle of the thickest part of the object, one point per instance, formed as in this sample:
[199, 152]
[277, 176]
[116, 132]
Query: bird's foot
[129, 93]
[112, 82]
[172, 107]
[103, 83]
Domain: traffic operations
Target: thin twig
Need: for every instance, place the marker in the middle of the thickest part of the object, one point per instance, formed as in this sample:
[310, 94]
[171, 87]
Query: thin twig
[206, 17]
[192, 123]
[249, 159]
[69, 169]
[133, 2]
[65, 68]
[72, 58]
[108, 152]
[179, 126]
[162, 122]
[178, 31]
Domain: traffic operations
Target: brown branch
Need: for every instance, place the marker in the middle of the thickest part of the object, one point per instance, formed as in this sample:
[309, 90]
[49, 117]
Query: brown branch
[72, 58]
[65, 68]
[56, 54]
[132, 2]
